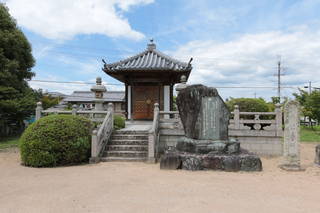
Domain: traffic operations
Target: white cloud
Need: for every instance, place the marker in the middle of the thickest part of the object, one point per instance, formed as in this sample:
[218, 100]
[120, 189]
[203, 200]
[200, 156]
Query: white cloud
[251, 60]
[63, 19]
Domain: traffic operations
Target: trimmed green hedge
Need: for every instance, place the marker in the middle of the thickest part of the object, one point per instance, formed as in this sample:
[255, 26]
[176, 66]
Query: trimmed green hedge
[119, 122]
[56, 140]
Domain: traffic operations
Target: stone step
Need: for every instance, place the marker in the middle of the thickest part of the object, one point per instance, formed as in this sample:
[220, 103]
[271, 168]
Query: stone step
[127, 142]
[127, 148]
[121, 132]
[130, 137]
[123, 159]
[128, 154]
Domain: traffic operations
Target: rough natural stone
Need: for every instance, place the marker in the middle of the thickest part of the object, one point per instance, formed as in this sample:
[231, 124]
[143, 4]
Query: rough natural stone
[317, 158]
[215, 148]
[192, 163]
[203, 113]
[233, 147]
[231, 163]
[214, 162]
[250, 163]
[186, 145]
[170, 161]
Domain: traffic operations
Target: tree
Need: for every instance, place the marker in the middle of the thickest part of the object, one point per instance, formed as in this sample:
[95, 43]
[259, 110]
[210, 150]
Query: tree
[313, 105]
[17, 99]
[249, 104]
[302, 97]
[49, 101]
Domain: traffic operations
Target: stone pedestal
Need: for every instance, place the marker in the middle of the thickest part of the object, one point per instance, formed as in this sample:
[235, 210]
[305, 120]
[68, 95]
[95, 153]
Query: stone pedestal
[205, 119]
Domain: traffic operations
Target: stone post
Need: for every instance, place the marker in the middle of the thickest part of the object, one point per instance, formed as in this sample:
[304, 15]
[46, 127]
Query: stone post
[111, 110]
[98, 90]
[153, 135]
[74, 109]
[291, 150]
[94, 147]
[38, 110]
[278, 112]
[236, 117]
[317, 158]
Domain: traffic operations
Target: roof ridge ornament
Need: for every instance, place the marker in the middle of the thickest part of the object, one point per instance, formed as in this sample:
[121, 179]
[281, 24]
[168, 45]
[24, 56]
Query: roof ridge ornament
[151, 46]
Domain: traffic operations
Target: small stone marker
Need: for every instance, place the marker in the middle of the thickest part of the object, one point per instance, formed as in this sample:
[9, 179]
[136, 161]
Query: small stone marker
[317, 159]
[291, 150]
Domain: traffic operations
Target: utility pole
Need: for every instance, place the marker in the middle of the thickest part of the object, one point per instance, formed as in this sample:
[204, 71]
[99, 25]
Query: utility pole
[310, 88]
[279, 81]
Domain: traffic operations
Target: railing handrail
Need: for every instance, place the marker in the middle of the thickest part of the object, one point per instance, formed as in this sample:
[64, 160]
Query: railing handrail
[77, 112]
[101, 136]
[104, 123]
[168, 112]
[153, 135]
[256, 113]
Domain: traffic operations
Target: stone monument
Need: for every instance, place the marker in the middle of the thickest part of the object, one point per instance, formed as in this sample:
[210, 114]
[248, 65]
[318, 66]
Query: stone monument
[206, 145]
[291, 149]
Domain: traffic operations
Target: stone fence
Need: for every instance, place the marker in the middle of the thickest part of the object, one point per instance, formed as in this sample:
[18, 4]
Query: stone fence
[258, 132]
[93, 115]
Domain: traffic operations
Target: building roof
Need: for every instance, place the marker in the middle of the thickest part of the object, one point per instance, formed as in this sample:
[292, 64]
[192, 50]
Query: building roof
[55, 94]
[88, 96]
[148, 60]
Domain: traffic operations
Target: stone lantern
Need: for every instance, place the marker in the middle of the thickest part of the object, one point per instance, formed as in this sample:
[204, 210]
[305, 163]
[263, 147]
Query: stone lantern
[98, 90]
[182, 85]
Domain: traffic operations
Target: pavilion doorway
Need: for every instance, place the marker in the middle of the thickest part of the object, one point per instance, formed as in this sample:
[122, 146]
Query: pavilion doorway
[144, 98]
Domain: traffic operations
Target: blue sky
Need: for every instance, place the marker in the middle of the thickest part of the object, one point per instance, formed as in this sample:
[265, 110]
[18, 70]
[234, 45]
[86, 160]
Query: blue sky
[233, 43]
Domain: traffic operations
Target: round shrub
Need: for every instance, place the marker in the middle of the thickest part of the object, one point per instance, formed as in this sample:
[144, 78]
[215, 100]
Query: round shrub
[56, 140]
[119, 122]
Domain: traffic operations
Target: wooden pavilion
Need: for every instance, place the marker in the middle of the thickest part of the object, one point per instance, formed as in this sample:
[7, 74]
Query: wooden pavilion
[149, 78]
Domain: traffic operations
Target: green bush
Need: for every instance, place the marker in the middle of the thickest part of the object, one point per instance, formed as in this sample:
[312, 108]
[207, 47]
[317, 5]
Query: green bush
[119, 122]
[56, 140]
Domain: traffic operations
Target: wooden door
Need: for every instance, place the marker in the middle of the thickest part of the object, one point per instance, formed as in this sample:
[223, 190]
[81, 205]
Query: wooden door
[144, 98]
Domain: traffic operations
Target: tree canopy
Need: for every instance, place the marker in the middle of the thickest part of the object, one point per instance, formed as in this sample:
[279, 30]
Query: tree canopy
[310, 103]
[250, 104]
[17, 99]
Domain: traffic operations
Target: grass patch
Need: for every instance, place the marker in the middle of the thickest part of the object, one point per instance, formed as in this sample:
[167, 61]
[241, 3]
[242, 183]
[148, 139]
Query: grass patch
[308, 134]
[9, 142]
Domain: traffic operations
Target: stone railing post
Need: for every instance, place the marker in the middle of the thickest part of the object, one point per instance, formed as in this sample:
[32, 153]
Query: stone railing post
[236, 117]
[74, 109]
[38, 110]
[94, 147]
[111, 110]
[153, 134]
[278, 112]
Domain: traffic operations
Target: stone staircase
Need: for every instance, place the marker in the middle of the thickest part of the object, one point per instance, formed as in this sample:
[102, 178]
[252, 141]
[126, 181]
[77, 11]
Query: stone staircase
[127, 146]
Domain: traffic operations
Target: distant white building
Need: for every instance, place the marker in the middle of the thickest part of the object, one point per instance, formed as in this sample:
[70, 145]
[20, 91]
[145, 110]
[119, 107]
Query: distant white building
[86, 100]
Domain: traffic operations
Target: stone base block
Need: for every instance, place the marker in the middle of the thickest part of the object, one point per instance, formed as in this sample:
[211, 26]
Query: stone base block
[317, 158]
[226, 162]
[93, 160]
[291, 168]
[170, 161]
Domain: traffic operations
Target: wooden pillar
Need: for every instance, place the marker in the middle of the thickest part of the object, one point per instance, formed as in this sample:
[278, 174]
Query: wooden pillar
[129, 102]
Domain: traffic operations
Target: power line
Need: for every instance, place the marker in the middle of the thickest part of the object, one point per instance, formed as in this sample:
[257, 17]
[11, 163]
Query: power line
[72, 82]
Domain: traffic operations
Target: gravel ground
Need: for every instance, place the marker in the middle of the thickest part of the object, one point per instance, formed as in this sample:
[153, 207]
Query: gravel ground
[139, 187]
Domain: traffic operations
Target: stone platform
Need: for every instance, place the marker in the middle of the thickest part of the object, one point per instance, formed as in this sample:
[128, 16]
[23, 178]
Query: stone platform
[226, 156]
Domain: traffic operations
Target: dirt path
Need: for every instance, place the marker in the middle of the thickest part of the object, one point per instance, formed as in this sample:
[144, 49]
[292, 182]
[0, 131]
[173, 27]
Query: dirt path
[140, 187]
